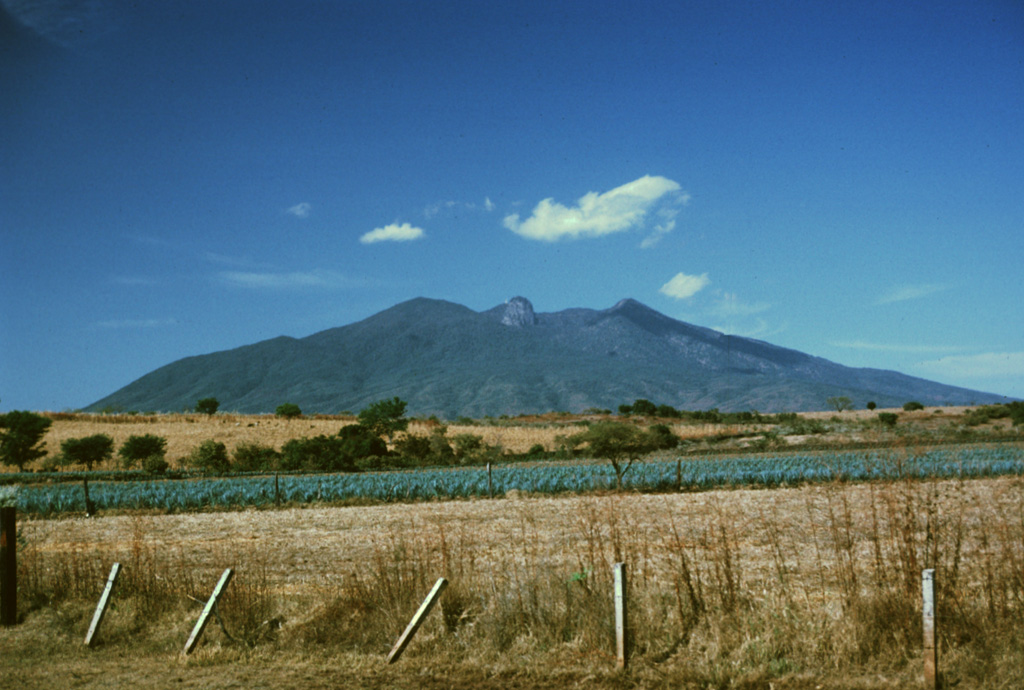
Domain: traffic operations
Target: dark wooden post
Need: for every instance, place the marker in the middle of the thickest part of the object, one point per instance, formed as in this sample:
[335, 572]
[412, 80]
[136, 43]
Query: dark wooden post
[277, 491]
[490, 486]
[8, 567]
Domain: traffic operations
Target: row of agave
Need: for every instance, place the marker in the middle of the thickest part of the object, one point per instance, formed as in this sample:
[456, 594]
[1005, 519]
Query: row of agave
[652, 475]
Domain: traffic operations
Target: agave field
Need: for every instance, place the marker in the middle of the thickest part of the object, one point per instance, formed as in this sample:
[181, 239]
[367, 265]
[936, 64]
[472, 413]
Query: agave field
[426, 484]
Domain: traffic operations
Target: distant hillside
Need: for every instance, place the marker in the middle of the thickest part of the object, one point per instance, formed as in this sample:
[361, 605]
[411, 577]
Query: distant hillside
[449, 360]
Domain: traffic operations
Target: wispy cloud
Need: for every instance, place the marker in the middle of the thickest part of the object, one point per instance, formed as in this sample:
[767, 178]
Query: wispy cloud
[902, 293]
[301, 210]
[984, 365]
[123, 324]
[729, 305]
[287, 281]
[456, 206]
[623, 208]
[393, 233]
[893, 347]
[683, 286]
[135, 281]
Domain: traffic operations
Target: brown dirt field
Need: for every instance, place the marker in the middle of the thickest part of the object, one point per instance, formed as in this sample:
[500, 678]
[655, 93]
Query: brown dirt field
[498, 541]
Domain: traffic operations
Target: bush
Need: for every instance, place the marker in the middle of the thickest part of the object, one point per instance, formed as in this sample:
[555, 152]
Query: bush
[255, 457]
[288, 411]
[360, 442]
[21, 434]
[872, 405]
[139, 448]
[888, 418]
[88, 451]
[912, 405]
[644, 408]
[207, 406]
[211, 456]
[154, 464]
[661, 437]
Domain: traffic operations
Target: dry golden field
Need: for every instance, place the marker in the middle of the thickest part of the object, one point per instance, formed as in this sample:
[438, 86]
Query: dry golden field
[807, 587]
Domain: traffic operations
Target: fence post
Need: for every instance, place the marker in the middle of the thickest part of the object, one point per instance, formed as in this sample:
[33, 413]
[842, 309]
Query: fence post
[8, 566]
[621, 620]
[101, 607]
[204, 617]
[490, 487]
[417, 620]
[931, 648]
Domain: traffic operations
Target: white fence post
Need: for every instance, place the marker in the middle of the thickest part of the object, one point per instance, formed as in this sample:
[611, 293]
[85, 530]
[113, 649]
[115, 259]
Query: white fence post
[204, 617]
[101, 607]
[417, 620]
[621, 621]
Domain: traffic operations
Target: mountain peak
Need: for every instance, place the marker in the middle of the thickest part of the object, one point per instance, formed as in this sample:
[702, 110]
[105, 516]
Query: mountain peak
[518, 312]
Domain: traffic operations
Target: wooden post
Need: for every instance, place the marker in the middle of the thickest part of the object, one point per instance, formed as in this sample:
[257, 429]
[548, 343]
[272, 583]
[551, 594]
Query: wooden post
[101, 607]
[931, 648]
[90, 509]
[417, 620]
[277, 491]
[679, 474]
[204, 617]
[490, 486]
[8, 566]
[621, 621]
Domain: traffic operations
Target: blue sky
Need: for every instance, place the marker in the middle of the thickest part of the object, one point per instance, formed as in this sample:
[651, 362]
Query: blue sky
[178, 178]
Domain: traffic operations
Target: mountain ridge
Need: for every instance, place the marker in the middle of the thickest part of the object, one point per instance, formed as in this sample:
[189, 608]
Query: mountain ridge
[446, 359]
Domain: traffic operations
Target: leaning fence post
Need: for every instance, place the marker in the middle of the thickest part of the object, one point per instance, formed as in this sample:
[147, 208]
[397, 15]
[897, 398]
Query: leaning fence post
[101, 607]
[621, 621]
[204, 617]
[417, 620]
[931, 648]
[8, 566]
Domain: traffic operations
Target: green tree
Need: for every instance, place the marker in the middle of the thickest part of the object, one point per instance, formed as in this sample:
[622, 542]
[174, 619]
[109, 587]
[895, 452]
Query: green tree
[385, 417]
[840, 403]
[88, 451]
[288, 411]
[21, 434]
[912, 405]
[872, 405]
[644, 407]
[359, 441]
[211, 456]
[139, 448]
[888, 418]
[254, 457]
[621, 444]
[207, 406]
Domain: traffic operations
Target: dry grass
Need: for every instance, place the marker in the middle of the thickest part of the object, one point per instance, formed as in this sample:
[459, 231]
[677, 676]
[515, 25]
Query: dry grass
[793, 588]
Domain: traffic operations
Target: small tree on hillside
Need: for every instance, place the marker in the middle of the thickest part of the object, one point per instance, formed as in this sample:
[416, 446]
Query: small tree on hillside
[21, 435]
[288, 411]
[207, 406]
[840, 403]
[88, 451]
[872, 405]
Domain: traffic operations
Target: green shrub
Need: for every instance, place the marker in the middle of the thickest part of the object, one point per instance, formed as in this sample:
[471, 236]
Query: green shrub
[207, 406]
[660, 437]
[872, 405]
[255, 457]
[912, 405]
[211, 456]
[888, 418]
[154, 464]
[288, 411]
[139, 448]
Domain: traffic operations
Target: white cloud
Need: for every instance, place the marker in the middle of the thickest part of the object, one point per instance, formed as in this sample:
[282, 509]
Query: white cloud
[488, 204]
[984, 365]
[393, 233]
[595, 215]
[903, 293]
[135, 323]
[456, 206]
[301, 210]
[683, 286]
[728, 304]
[286, 281]
[887, 347]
